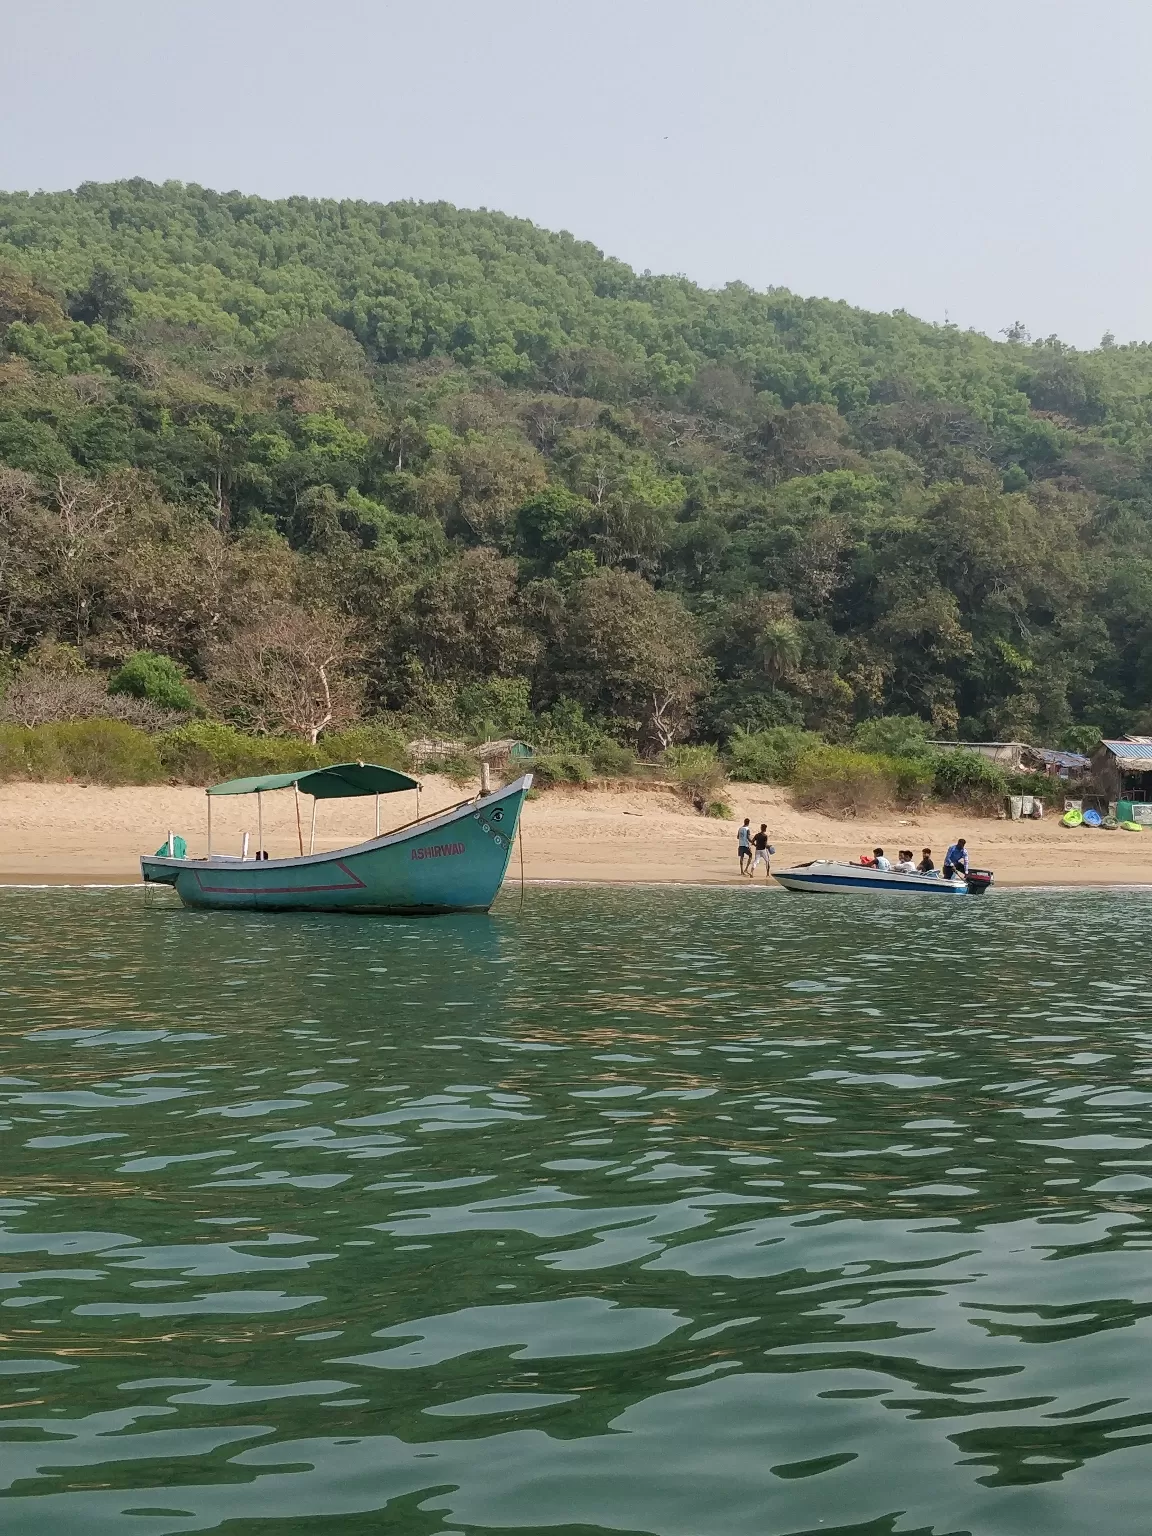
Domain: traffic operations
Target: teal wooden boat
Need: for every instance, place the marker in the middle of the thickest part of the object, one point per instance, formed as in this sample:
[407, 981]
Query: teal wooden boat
[452, 861]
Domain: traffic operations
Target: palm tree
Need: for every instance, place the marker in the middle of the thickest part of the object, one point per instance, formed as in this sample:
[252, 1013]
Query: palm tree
[780, 647]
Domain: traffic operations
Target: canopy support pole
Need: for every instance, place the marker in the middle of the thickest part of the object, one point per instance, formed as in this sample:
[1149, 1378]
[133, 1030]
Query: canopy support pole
[377, 815]
[312, 838]
[208, 797]
[417, 802]
[259, 824]
[299, 828]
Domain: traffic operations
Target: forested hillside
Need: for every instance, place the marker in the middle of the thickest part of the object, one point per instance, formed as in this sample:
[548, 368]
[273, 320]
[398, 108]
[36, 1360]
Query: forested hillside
[340, 460]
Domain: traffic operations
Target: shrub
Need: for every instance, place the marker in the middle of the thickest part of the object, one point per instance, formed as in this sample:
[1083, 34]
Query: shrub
[839, 779]
[45, 696]
[367, 743]
[102, 751]
[1035, 784]
[969, 778]
[915, 777]
[561, 768]
[612, 760]
[206, 751]
[720, 809]
[698, 772]
[893, 736]
[146, 675]
[769, 756]
[107, 751]
[197, 752]
[457, 766]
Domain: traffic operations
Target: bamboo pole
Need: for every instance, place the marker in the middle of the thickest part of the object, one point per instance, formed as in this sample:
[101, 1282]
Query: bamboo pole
[312, 838]
[299, 828]
[259, 824]
[208, 797]
[377, 815]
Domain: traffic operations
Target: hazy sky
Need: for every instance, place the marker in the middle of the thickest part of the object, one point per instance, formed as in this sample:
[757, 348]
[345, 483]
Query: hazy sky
[984, 161]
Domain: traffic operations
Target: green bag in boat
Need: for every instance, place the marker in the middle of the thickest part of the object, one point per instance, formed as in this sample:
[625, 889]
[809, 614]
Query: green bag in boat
[178, 850]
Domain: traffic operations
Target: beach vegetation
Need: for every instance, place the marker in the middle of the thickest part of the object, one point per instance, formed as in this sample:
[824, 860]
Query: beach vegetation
[843, 782]
[552, 768]
[698, 773]
[158, 679]
[768, 756]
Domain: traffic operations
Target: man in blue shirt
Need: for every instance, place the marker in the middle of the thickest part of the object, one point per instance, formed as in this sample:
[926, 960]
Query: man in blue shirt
[956, 860]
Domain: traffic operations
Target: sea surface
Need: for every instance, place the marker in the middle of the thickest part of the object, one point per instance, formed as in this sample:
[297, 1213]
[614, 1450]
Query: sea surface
[691, 1212]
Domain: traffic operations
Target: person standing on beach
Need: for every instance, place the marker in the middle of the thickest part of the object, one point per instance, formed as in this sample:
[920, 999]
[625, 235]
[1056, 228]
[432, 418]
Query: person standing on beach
[760, 843]
[744, 847]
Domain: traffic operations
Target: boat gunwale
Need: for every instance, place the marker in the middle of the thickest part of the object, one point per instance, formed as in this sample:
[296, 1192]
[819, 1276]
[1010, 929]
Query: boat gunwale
[809, 875]
[398, 835]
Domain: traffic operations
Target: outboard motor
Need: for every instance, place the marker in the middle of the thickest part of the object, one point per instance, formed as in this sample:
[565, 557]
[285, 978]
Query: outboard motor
[978, 881]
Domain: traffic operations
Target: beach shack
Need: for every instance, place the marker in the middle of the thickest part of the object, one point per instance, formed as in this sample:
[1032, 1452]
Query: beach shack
[1020, 757]
[1122, 771]
[505, 753]
[1058, 764]
[1008, 755]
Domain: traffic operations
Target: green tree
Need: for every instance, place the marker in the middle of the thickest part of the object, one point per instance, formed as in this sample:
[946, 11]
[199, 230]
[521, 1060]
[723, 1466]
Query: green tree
[631, 655]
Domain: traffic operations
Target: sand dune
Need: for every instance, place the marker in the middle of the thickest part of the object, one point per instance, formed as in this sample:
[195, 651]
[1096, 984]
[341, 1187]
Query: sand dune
[76, 833]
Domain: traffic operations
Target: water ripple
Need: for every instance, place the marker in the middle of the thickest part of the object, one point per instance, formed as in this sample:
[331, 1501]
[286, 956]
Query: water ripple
[668, 1212]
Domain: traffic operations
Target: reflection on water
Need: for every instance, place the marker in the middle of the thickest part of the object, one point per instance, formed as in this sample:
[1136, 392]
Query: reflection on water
[682, 1212]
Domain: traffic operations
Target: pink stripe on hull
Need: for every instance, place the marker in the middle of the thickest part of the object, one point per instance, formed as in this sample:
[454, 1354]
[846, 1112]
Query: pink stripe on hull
[355, 884]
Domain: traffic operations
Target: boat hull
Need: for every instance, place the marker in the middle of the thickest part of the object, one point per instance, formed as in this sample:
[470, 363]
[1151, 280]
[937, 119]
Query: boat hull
[826, 876]
[454, 862]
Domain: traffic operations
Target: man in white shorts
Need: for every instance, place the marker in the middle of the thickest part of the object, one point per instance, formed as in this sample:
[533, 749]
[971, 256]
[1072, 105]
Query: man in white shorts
[760, 854]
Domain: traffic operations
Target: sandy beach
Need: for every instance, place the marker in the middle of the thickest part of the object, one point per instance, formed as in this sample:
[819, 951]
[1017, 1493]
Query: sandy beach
[72, 833]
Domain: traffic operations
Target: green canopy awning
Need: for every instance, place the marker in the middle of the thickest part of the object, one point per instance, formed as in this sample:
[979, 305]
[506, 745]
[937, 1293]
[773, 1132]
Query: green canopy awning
[339, 782]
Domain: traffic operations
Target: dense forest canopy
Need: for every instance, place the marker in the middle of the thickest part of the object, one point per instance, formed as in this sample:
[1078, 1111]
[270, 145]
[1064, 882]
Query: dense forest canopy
[416, 459]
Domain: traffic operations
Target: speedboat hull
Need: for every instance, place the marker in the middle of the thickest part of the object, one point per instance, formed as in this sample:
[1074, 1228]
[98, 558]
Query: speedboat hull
[453, 862]
[827, 875]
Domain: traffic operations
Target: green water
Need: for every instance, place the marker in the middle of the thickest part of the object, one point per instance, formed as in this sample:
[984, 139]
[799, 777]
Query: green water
[683, 1212]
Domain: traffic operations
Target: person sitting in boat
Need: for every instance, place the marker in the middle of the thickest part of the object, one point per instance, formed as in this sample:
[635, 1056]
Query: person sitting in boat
[956, 860]
[904, 864]
[926, 865]
[879, 861]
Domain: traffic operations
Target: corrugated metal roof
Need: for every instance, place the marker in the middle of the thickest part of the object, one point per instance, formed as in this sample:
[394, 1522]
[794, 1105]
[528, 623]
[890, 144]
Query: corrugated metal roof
[971, 746]
[1136, 754]
[1058, 759]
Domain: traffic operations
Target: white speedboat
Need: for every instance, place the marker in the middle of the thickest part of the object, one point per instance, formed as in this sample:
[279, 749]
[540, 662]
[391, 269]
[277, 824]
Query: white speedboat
[832, 875]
